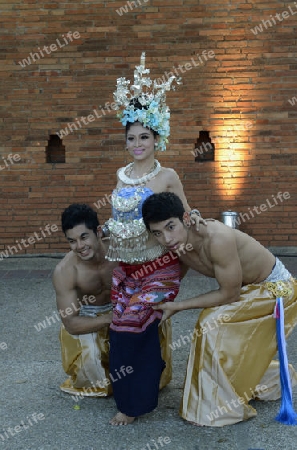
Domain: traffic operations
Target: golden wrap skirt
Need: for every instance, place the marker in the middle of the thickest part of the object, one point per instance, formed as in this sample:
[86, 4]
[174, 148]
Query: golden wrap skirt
[230, 360]
[85, 358]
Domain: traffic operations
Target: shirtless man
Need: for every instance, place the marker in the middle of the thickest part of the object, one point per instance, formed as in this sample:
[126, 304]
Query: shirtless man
[82, 281]
[234, 340]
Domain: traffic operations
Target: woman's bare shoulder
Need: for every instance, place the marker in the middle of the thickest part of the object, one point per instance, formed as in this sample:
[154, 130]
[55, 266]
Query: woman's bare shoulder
[170, 174]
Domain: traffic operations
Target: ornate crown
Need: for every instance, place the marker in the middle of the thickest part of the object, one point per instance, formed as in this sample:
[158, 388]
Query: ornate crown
[155, 114]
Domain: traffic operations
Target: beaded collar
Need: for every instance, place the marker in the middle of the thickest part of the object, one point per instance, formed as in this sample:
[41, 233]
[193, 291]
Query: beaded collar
[148, 176]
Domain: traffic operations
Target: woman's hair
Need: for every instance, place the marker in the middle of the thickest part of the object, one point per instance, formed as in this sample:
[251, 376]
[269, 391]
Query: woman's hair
[160, 207]
[137, 105]
[79, 214]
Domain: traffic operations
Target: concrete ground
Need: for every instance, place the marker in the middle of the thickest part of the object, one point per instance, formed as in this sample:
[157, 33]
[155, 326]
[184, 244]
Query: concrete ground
[36, 415]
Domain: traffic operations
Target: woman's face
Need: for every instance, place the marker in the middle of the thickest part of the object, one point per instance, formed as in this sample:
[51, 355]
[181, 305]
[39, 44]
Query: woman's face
[140, 141]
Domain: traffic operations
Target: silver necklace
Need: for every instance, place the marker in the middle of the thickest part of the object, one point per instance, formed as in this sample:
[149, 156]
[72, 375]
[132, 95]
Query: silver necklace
[144, 179]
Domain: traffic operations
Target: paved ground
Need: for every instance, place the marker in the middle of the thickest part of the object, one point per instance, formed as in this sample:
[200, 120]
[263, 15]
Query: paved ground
[36, 415]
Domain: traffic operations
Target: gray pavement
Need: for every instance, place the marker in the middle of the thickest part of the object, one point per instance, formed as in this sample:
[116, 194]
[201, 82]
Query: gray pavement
[36, 415]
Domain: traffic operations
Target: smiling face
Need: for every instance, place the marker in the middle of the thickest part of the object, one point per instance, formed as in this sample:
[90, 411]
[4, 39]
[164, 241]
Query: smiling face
[140, 141]
[171, 233]
[83, 242]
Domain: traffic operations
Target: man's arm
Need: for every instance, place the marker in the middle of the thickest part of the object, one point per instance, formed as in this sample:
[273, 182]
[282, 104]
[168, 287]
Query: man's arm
[68, 305]
[227, 270]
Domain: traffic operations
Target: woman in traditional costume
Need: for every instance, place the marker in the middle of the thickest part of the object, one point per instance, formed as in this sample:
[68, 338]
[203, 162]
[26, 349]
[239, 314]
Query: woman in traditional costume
[147, 272]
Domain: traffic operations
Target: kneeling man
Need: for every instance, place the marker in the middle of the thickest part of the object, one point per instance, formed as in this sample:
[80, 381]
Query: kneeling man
[234, 340]
[82, 281]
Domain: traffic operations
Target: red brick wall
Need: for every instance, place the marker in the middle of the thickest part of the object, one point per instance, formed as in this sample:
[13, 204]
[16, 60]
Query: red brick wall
[241, 96]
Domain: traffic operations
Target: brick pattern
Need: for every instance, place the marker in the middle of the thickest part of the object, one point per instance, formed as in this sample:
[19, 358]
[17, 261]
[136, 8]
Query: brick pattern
[240, 95]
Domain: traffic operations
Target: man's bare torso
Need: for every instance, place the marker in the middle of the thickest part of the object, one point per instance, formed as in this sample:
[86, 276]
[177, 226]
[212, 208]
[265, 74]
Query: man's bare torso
[256, 261]
[88, 278]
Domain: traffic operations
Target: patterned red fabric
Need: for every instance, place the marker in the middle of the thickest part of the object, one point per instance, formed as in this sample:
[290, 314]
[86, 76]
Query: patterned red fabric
[136, 287]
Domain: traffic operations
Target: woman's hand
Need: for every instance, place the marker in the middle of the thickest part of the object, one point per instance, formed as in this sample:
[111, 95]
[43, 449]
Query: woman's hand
[168, 309]
[196, 219]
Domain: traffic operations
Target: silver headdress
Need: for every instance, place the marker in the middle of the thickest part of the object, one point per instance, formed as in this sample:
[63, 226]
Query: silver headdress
[155, 114]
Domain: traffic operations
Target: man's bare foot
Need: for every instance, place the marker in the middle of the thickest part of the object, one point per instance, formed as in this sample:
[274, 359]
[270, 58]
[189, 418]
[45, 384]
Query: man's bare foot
[121, 419]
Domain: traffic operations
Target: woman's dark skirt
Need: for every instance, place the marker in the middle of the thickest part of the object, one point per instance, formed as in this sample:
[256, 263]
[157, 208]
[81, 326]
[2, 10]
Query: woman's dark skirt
[136, 366]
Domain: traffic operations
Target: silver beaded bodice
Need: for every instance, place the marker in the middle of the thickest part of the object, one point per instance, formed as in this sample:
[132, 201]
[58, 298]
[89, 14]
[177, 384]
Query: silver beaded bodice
[130, 242]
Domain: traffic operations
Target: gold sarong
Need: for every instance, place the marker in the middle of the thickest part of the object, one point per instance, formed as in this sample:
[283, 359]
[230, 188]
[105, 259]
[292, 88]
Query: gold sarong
[85, 358]
[230, 360]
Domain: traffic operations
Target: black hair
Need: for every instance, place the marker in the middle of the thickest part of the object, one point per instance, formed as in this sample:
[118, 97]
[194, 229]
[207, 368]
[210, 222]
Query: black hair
[160, 207]
[138, 105]
[79, 214]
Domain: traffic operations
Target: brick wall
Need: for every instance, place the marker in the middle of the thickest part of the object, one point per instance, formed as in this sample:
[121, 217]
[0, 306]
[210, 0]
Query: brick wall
[239, 84]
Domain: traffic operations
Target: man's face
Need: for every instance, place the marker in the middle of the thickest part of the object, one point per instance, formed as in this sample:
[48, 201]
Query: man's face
[171, 233]
[83, 242]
